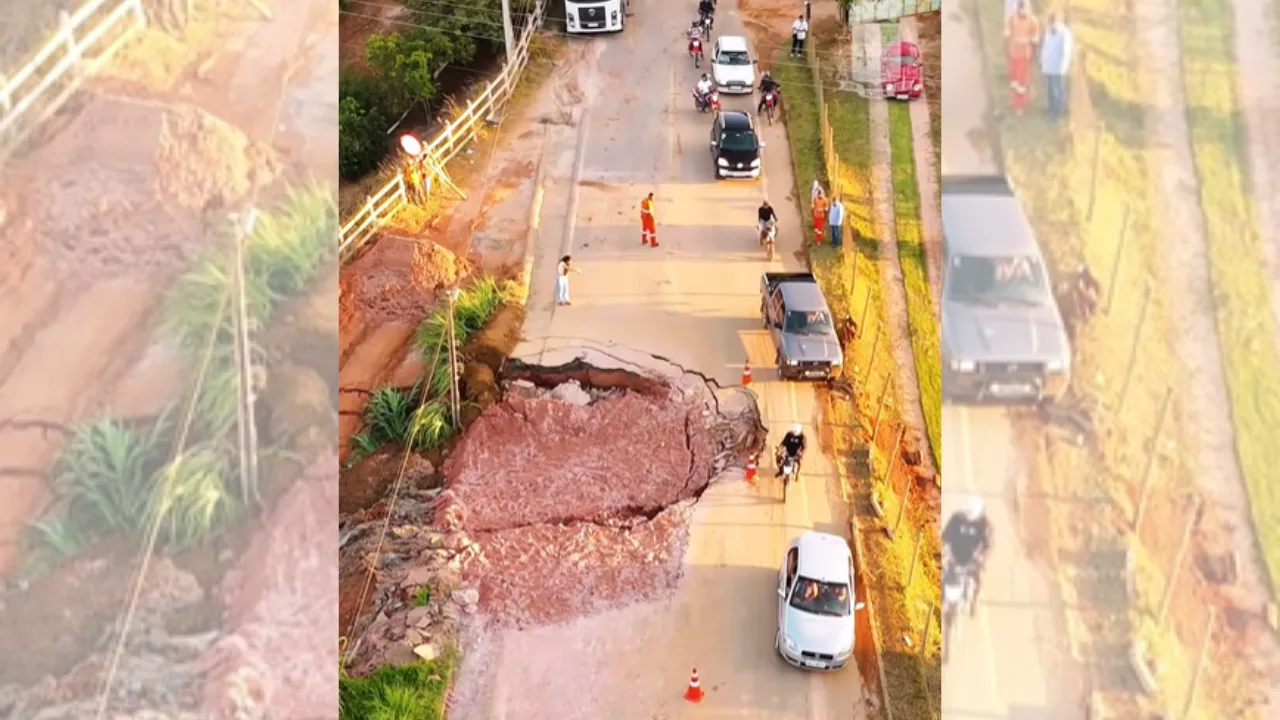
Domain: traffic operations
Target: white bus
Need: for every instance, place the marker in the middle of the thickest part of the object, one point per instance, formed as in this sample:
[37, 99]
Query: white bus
[595, 16]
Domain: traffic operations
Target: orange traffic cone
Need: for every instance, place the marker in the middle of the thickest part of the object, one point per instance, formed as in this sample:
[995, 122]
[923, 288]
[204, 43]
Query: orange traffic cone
[751, 469]
[694, 693]
[746, 373]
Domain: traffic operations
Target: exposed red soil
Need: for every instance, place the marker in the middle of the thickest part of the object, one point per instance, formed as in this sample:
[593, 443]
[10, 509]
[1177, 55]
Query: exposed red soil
[369, 480]
[531, 461]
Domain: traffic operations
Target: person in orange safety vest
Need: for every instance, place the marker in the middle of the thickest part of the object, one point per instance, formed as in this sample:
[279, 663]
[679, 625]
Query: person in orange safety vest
[648, 226]
[820, 206]
[1022, 36]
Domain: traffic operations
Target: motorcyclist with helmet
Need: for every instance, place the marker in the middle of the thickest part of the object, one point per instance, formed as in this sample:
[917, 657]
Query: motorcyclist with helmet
[967, 539]
[768, 85]
[703, 91]
[707, 9]
[765, 215]
[792, 446]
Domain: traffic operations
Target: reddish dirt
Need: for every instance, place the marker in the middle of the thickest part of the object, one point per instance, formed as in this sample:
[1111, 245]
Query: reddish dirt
[544, 574]
[276, 599]
[530, 461]
[397, 279]
[369, 480]
[366, 369]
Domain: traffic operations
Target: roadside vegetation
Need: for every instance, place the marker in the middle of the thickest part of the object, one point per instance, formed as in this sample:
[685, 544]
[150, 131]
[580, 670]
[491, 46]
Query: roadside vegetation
[120, 477]
[402, 65]
[921, 315]
[419, 418]
[416, 691]
[1247, 332]
[1052, 168]
[849, 278]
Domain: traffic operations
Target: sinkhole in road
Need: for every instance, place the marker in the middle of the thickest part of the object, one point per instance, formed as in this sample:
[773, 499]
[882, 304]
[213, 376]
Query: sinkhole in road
[577, 487]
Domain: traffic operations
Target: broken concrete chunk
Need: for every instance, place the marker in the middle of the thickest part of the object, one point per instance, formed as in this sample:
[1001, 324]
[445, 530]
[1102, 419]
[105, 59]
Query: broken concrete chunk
[417, 617]
[399, 654]
[572, 393]
[417, 576]
[466, 596]
[427, 651]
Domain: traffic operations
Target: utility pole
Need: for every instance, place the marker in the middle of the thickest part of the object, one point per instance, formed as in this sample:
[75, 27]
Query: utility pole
[248, 430]
[455, 399]
[508, 33]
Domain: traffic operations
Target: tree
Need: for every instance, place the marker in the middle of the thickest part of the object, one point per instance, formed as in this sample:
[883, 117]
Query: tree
[407, 63]
[476, 20]
[362, 124]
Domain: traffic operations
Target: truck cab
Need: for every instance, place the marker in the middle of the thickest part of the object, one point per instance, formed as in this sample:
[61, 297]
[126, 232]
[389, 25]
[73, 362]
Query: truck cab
[797, 317]
[1003, 338]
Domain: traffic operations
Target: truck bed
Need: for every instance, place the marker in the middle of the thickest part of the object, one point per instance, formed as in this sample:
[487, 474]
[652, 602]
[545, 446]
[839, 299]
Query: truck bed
[774, 279]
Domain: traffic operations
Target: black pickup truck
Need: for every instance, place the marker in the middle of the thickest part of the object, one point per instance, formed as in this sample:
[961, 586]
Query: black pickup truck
[796, 315]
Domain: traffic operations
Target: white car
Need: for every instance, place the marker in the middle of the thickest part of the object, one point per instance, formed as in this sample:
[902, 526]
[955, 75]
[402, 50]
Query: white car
[816, 603]
[732, 68]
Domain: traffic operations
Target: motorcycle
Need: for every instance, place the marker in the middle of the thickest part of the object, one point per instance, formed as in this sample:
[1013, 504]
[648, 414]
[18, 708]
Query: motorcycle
[704, 25]
[770, 102]
[706, 19]
[769, 238]
[957, 599]
[707, 104]
[789, 466]
[695, 51]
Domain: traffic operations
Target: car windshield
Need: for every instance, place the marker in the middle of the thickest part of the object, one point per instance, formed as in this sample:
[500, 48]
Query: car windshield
[995, 281]
[820, 598]
[814, 322]
[733, 57]
[739, 141]
[902, 61]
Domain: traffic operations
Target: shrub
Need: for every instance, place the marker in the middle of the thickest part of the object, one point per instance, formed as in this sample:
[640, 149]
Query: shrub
[105, 474]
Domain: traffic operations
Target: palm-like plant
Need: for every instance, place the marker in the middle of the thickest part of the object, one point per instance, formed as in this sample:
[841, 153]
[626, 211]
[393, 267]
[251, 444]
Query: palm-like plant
[105, 473]
[192, 503]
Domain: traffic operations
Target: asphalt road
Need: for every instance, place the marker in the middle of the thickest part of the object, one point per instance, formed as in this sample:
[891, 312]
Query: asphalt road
[694, 300]
[1012, 660]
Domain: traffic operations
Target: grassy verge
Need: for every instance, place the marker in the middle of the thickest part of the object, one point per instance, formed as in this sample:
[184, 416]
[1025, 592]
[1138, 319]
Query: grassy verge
[1246, 327]
[925, 346]
[850, 279]
[410, 692]
[1052, 167]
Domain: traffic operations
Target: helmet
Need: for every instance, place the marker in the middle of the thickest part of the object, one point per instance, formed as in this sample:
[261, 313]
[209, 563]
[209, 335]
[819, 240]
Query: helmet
[765, 74]
[797, 429]
[704, 76]
[976, 507]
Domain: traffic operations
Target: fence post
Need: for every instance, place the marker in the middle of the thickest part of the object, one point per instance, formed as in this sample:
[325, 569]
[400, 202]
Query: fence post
[875, 347]
[369, 208]
[1148, 471]
[1178, 560]
[73, 48]
[906, 488]
[140, 14]
[915, 560]
[6, 100]
[1137, 341]
[1097, 170]
[1200, 661]
[1119, 258]
[884, 400]
[924, 636]
[866, 301]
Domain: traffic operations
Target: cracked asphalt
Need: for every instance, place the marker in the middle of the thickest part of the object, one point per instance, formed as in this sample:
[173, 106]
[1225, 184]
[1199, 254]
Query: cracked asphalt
[691, 304]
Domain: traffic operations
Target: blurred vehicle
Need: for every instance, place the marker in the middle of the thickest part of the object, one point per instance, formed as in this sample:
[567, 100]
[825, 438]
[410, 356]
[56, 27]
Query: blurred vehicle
[901, 72]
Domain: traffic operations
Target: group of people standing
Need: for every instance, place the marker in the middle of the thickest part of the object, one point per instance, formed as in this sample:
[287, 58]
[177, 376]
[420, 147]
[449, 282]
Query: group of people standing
[1023, 41]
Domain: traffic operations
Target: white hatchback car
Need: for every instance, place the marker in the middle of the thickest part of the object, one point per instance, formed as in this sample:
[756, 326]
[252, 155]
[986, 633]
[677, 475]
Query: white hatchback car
[816, 603]
[732, 68]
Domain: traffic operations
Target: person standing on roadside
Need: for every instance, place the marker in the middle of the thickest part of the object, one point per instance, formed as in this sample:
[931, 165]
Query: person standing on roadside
[835, 221]
[648, 226]
[1055, 64]
[820, 206]
[563, 269]
[1022, 35]
[799, 33]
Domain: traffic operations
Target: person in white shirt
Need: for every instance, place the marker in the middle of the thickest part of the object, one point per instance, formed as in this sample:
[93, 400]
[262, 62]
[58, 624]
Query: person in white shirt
[563, 269]
[704, 89]
[799, 32]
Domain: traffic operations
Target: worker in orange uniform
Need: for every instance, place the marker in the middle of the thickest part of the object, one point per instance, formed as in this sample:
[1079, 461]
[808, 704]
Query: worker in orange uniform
[1021, 36]
[820, 206]
[648, 227]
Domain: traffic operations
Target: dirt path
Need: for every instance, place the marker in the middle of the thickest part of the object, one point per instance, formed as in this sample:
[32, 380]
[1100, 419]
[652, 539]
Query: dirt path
[895, 295]
[1258, 55]
[926, 179]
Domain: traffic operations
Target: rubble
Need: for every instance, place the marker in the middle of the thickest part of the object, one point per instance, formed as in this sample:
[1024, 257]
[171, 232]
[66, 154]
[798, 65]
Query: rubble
[562, 499]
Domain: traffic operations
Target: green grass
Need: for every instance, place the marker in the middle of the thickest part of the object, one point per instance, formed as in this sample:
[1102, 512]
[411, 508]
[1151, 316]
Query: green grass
[925, 346]
[408, 692]
[898, 610]
[1247, 331]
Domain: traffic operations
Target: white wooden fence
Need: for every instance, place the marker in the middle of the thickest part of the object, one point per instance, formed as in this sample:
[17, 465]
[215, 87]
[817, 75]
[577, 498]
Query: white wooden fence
[83, 41]
[868, 11]
[485, 107]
